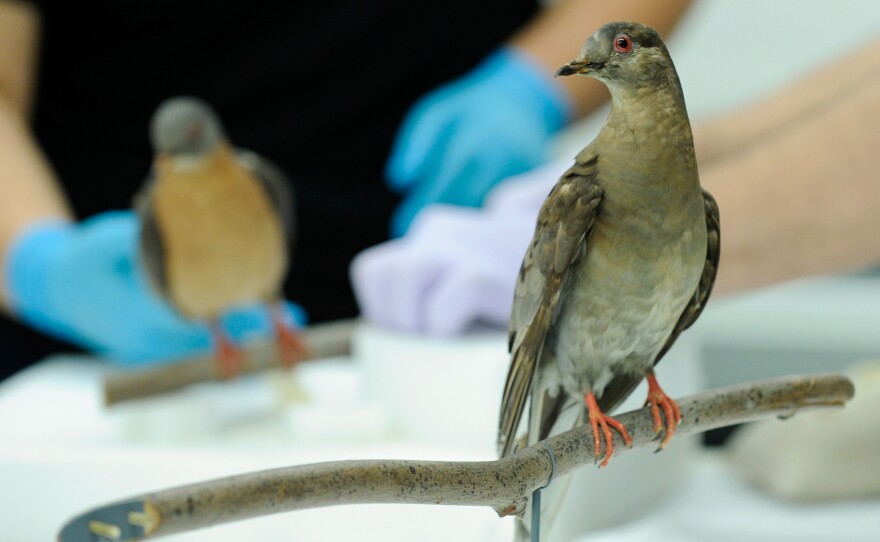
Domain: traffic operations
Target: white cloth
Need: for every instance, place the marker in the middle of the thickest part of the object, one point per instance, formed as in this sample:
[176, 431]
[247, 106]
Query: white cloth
[457, 266]
[717, 505]
[818, 456]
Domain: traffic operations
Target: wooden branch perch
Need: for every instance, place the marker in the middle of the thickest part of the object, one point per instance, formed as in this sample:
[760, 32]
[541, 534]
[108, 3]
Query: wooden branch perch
[504, 484]
[323, 341]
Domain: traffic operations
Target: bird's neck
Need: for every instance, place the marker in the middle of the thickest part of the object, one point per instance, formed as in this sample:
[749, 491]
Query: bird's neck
[648, 139]
[650, 172]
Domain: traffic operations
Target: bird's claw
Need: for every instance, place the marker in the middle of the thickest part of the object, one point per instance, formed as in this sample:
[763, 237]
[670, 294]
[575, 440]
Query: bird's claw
[229, 358]
[657, 399]
[601, 421]
[291, 348]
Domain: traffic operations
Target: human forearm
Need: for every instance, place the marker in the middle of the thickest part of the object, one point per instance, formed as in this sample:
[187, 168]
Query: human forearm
[26, 181]
[556, 36]
[27, 184]
[734, 131]
[805, 201]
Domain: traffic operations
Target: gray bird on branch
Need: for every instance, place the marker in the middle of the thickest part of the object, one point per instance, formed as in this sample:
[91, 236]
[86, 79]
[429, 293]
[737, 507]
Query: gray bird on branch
[623, 258]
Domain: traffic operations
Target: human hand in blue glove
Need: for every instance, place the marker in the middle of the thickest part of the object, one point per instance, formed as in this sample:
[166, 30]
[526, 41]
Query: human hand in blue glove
[460, 140]
[83, 283]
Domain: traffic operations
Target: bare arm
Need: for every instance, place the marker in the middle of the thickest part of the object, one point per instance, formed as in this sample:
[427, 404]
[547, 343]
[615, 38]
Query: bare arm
[27, 185]
[737, 130]
[558, 33]
[798, 187]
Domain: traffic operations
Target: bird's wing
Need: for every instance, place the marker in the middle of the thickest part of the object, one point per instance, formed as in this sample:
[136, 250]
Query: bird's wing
[151, 248]
[278, 189]
[564, 223]
[710, 269]
[622, 385]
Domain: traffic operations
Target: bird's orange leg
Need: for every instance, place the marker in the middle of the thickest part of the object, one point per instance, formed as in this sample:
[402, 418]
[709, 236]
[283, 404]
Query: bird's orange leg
[229, 357]
[291, 348]
[603, 422]
[658, 399]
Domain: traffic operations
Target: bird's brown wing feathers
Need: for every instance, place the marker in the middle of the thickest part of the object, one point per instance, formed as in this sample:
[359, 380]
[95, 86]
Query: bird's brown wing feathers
[622, 385]
[151, 249]
[564, 223]
[278, 189]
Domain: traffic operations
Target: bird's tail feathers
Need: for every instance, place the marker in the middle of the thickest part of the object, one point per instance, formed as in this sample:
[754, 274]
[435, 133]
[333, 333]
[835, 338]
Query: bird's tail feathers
[552, 497]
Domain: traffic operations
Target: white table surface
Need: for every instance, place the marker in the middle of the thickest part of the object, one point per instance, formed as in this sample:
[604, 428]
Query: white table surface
[62, 453]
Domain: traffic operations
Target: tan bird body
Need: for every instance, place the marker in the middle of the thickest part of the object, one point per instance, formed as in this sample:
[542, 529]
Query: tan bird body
[623, 258]
[197, 204]
[217, 226]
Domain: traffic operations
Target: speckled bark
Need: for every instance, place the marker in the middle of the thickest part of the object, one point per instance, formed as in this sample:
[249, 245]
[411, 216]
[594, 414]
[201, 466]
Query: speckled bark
[322, 340]
[504, 485]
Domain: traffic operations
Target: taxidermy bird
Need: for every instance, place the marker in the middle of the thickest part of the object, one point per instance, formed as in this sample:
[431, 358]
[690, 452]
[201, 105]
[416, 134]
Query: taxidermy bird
[217, 226]
[623, 258]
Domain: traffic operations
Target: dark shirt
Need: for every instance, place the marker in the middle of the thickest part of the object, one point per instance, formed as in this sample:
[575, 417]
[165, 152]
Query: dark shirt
[319, 87]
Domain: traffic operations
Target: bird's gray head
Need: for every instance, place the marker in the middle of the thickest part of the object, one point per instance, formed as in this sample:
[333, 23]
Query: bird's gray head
[185, 126]
[623, 53]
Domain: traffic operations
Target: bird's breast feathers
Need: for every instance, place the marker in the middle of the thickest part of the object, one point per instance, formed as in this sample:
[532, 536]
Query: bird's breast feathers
[624, 308]
[224, 244]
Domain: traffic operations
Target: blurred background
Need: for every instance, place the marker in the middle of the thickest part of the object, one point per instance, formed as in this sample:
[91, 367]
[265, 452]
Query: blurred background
[402, 396]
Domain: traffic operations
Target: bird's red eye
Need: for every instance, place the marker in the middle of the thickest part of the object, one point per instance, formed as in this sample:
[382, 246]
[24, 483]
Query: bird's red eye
[623, 43]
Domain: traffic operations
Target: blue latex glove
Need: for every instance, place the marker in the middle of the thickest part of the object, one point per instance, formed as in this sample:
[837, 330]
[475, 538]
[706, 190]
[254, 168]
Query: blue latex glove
[460, 140]
[83, 283]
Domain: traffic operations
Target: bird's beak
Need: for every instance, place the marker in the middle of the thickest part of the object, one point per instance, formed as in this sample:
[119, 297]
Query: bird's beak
[576, 66]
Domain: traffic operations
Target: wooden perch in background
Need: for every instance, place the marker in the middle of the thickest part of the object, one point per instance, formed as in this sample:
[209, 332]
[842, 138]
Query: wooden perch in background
[504, 484]
[322, 340]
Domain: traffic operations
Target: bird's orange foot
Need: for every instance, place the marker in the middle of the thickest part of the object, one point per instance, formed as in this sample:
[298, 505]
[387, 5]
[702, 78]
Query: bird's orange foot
[602, 422]
[291, 347]
[658, 399]
[230, 358]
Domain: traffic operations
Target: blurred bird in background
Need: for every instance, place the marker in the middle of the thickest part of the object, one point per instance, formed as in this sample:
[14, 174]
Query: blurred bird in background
[217, 226]
[623, 257]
